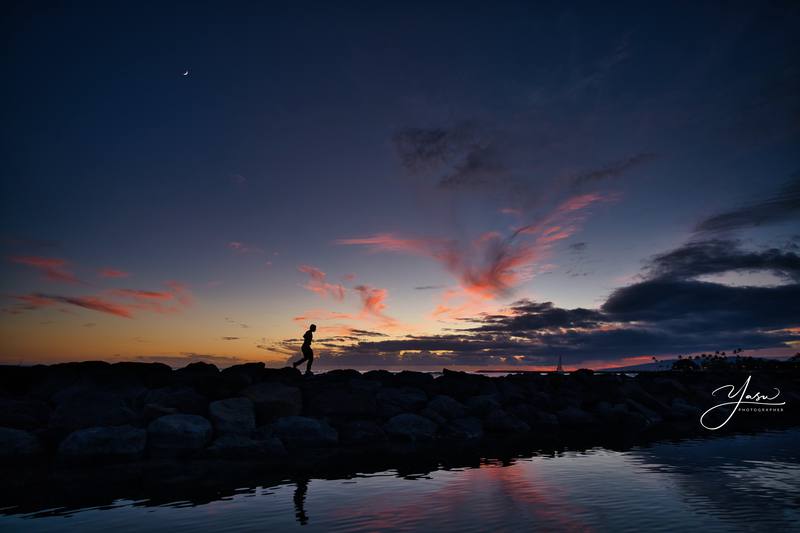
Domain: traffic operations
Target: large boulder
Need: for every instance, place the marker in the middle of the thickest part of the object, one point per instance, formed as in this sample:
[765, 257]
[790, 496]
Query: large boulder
[23, 413]
[178, 434]
[237, 377]
[274, 400]
[410, 427]
[462, 385]
[203, 377]
[303, 432]
[183, 399]
[575, 418]
[117, 442]
[482, 405]
[232, 446]
[465, 428]
[396, 400]
[342, 401]
[502, 422]
[409, 378]
[91, 409]
[233, 415]
[151, 375]
[362, 432]
[17, 443]
[446, 407]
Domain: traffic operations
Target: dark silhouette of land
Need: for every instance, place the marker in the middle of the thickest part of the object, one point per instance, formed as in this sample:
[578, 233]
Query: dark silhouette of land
[136, 419]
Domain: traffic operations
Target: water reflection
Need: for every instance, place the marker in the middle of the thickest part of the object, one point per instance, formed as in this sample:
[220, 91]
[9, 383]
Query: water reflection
[300, 500]
[735, 483]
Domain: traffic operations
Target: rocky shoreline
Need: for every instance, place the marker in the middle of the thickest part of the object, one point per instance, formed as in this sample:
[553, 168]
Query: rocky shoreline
[96, 412]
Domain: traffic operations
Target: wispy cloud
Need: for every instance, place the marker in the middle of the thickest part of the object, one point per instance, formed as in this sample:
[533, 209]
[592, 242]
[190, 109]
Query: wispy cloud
[53, 269]
[373, 302]
[783, 206]
[244, 248]
[493, 264]
[317, 283]
[113, 273]
[94, 303]
[118, 302]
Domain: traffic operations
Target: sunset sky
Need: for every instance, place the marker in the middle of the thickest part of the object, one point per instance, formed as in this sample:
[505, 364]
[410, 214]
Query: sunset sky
[433, 184]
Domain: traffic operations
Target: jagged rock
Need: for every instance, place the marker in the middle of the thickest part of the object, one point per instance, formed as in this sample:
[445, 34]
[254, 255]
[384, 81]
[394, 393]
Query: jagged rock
[184, 399]
[233, 415]
[410, 427]
[117, 442]
[91, 409]
[233, 446]
[361, 432]
[17, 443]
[446, 407]
[394, 400]
[178, 434]
[482, 405]
[464, 428]
[273, 400]
[302, 432]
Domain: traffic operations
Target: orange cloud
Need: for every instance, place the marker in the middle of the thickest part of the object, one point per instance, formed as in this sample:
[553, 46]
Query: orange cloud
[318, 314]
[52, 268]
[317, 283]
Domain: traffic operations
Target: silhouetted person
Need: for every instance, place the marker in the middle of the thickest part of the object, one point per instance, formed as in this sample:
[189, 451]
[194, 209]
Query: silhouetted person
[300, 500]
[308, 353]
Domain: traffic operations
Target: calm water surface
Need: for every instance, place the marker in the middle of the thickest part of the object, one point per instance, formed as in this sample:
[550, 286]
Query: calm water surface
[737, 483]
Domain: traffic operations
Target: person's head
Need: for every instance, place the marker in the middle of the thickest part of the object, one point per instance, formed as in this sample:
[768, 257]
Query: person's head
[313, 327]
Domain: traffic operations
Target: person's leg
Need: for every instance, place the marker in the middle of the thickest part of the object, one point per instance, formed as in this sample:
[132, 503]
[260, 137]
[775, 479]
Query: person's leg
[310, 357]
[299, 361]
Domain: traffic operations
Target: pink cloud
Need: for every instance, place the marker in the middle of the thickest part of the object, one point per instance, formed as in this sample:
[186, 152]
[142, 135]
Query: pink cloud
[373, 302]
[492, 265]
[51, 268]
[91, 302]
[143, 295]
[317, 283]
[113, 273]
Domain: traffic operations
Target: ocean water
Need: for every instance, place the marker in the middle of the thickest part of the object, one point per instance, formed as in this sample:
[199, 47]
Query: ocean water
[726, 484]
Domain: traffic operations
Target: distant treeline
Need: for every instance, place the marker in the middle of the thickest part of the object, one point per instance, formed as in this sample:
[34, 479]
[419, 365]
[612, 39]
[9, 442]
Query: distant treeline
[734, 361]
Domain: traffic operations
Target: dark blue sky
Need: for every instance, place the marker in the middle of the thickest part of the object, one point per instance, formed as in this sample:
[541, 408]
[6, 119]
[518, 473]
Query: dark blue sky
[323, 161]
